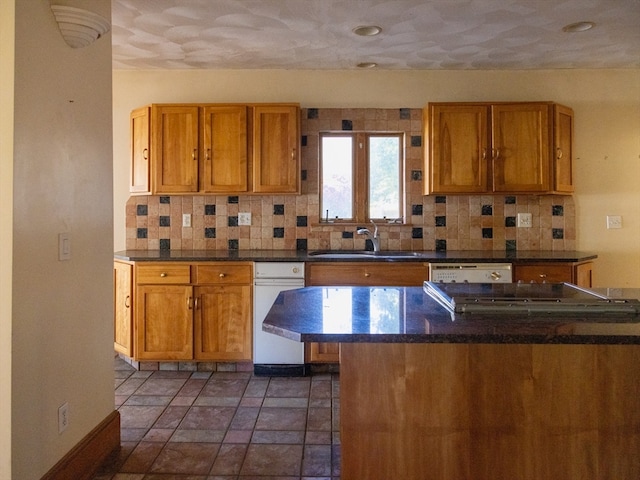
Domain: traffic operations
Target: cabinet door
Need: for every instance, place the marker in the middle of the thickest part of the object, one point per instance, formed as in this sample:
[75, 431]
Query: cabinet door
[563, 151]
[174, 141]
[225, 168]
[223, 323]
[164, 322]
[276, 152]
[123, 290]
[520, 142]
[458, 149]
[140, 166]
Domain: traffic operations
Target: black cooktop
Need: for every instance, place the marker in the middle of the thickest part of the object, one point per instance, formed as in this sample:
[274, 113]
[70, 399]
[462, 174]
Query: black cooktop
[539, 298]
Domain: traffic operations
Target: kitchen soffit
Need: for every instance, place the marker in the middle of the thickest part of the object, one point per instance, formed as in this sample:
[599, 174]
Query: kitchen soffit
[416, 34]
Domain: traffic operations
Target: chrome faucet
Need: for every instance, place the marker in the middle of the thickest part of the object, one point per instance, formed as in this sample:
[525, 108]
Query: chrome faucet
[375, 241]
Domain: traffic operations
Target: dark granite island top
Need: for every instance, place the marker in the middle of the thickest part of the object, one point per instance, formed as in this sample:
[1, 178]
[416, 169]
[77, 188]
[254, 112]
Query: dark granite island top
[428, 396]
[409, 315]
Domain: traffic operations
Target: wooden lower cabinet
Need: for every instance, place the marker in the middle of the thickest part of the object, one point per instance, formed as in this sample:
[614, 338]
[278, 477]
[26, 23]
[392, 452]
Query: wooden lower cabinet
[217, 338]
[164, 322]
[200, 312]
[123, 308]
[579, 273]
[373, 274]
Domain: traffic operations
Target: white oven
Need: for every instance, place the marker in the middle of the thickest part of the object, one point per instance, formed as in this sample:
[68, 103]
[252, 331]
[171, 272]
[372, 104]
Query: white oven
[470, 272]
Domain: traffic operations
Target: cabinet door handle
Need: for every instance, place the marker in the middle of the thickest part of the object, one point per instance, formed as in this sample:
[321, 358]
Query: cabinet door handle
[193, 155]
[222, 275]
[497, 156]
[145, 154]
[543, 275]
[208, 155]
[126, 302]
[559, 153]
[163, 274]
[190, 303]
[367, 274]
[293, 153]
[196, 303]
[484, 153]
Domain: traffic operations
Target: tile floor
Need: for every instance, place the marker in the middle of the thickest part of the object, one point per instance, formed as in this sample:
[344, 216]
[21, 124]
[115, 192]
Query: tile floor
[225, 426]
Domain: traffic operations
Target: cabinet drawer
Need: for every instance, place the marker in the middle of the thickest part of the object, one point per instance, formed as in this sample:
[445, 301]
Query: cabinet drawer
[544, 273]
[223, 273]
[163, 273]
[367, 274]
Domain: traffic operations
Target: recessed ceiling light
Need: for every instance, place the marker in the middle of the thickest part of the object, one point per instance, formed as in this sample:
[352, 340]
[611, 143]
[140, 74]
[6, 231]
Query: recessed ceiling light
[367, 65]
[578, 27]
[367, 30]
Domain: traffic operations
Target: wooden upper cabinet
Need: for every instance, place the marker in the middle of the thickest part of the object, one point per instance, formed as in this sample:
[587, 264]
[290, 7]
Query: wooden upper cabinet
[520, 142]
[458, 148]
[276, 152]
[140, 151]
[475, 148]
[174, 142]
[563, 149]
[224, 134]
[215, 148]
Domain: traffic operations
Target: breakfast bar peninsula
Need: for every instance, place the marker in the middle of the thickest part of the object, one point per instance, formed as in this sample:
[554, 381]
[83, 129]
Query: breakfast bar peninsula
[431, 392]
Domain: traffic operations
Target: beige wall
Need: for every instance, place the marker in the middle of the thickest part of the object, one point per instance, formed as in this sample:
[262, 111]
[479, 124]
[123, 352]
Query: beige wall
[7, 15]
[61, 312]
[607, 116]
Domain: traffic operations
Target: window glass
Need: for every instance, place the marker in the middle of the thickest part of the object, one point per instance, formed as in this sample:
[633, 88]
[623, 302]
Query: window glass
[337, 177]
[384, 177]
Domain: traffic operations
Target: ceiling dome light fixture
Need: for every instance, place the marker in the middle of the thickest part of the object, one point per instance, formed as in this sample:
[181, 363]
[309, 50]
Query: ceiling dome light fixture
[578, 27]
[367, 30]
[79, 27]
[367, 65]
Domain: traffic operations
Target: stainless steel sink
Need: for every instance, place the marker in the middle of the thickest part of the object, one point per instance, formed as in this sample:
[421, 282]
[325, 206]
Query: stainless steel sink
[364, 253]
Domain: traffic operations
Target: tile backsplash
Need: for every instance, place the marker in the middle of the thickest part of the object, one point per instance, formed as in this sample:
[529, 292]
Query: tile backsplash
[292, 222]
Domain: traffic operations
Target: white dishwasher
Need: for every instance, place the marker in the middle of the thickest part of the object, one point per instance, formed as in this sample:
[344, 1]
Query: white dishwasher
[274, 355]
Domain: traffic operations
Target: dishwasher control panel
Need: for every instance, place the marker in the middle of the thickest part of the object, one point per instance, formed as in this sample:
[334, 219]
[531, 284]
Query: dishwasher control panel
[470, 272]
[278, 270]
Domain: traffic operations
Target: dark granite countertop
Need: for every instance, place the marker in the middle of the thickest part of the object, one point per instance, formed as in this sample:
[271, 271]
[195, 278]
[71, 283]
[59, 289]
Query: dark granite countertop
[408, 315]
[304, 256]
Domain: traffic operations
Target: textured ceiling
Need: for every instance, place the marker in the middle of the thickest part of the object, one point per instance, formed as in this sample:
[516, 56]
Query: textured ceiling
[416, 34]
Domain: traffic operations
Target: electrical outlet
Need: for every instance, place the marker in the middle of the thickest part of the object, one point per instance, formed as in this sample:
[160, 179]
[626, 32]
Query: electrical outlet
[524, 220]
[63, 417]
[186, 220]
[614, 221]
[244, 219]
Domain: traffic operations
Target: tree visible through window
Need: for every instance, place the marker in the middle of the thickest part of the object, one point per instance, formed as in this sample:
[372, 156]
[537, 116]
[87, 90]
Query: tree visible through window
[361, 176]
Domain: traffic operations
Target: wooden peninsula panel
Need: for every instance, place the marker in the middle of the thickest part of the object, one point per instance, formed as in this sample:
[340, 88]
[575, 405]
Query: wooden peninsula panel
[489, 411]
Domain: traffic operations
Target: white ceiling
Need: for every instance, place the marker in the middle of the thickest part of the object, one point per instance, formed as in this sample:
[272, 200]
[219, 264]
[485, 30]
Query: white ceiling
[416, 34]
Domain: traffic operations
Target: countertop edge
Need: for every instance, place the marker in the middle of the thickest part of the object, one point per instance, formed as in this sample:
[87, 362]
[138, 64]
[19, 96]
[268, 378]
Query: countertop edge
[460, 256]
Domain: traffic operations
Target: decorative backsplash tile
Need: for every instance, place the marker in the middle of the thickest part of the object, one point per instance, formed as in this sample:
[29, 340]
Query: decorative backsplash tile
[451, 222]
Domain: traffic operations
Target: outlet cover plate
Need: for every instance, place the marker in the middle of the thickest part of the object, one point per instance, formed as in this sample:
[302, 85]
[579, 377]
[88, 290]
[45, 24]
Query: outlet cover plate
[524, 220]
[186, 220]
[614, 221]
[244, 218]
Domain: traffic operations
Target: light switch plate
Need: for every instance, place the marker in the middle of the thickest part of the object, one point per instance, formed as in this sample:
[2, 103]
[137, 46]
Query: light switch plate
[64, 247]
[614, 221]
[186, 220]
[244, 218]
